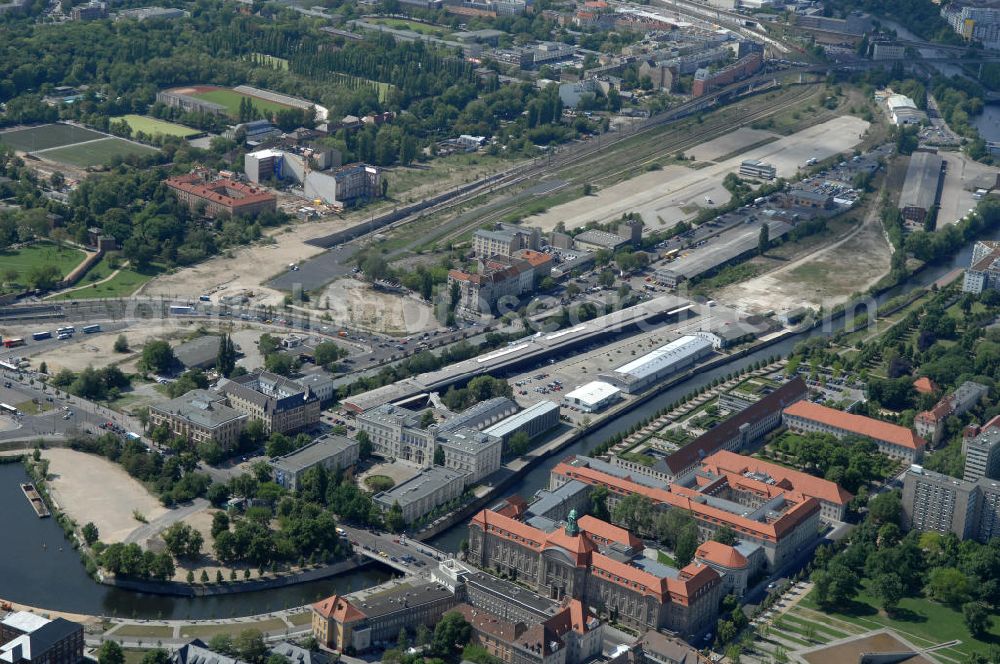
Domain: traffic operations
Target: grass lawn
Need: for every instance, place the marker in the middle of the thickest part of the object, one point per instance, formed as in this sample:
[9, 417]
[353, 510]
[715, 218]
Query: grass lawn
[155, 631]
[921, 620]
[231, 100]
[98, 153]
[403, 178]
[379, 483]
[665, 558]
[122, 285]
[32, 408]
[23, 260]
[47, 136]
[300, 619]
[208, 631]
[154, 126]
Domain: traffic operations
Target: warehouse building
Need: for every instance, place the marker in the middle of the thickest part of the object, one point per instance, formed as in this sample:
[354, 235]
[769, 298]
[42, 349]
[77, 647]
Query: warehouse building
[922, 186]
[903, 111]
[644, 372]
[533, 420]
[200, 353]
[593, 397]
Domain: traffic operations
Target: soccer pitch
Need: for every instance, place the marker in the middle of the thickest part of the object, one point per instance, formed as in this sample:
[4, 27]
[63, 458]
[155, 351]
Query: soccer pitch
[231, 100]
[153, 126]
[96, 153]
[47, 136]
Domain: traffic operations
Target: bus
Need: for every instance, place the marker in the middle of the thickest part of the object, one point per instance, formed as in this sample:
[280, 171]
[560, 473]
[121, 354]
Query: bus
[671, 255]
[66, 330]
[181, 310]
[38, 336]
[90, 329]
[13, 342]
[7, 409]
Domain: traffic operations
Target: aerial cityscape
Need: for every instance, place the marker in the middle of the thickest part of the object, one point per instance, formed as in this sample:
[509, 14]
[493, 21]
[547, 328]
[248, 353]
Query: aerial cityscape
[500, 331]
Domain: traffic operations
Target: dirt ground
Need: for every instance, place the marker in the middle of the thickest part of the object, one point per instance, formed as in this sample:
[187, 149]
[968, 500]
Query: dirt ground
[357, 304]
[730, 143]
[825, 278]
[96, 349]
[956, 195]
[400, 471]
[674, 194]
[91, 488]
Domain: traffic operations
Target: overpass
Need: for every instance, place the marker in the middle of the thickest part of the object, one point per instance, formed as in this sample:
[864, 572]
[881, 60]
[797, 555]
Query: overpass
[407, 556]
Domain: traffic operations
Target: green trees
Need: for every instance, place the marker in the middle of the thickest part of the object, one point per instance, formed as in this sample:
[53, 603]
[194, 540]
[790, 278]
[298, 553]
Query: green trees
[225, 360]
[835, 586]
[182, 540]
[121, 344]
[889, 589]
[764, 239]
[599, 503]
[90, 534]
[450, 634]
[976, 617]
[518, 443]
[110, 653]
[948, 585]
[250, 646]
[394, 520]
[725, 535]
[157, 356]
[328, 352]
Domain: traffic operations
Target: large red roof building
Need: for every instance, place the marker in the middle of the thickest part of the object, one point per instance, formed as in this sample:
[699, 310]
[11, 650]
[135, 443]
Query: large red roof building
[892, 440]
[599, 564]
[221, 197]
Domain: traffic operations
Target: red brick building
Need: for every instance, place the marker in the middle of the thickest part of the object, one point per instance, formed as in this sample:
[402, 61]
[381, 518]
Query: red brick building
[221, 197]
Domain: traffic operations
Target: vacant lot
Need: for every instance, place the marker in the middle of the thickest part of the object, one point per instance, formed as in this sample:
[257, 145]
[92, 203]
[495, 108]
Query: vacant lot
[47, 136]
[357, 304]
[154, 126]
[95, 153]
[15, 266]
[91, 488]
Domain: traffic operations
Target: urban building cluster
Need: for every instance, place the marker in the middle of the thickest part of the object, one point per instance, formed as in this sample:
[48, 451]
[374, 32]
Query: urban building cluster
[215, 197]
[976, 21]
[470, 444]
[280, 404]
[28, 638]
[310, 168]
[929, 424]
[984, 268]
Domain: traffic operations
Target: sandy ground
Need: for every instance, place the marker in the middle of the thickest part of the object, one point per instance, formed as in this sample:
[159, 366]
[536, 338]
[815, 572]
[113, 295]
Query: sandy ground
[724, 145]
[825, 278]
[400, 471]
[357, 304]
[96, 349]
[956, 194]
[665, 197]
[91, 488]
[250, 266]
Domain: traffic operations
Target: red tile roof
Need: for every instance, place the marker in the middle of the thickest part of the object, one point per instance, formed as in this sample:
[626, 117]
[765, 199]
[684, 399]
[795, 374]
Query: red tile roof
[857, 424]
[676, 496]
[511, 529]
[713, 439]
[803, 483]
[338, 608]
[536, 258]
[579, 546]
[604, 532]
[227, 192]
[721, 554]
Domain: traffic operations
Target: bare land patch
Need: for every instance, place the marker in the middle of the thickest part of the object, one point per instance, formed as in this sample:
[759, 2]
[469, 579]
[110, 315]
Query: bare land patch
[740, 139]
[675, 193]
[356, 304]
[825, 278]
[91, 488]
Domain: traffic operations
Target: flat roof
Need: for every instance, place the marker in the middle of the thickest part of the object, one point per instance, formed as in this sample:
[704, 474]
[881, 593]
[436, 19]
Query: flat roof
[923, 176]
[518, 420]
[419, 486]
[515, 594]
[198, 352]
[665, 356]
[403, 597]
[315, 452]
[593, 392]
[25, 621]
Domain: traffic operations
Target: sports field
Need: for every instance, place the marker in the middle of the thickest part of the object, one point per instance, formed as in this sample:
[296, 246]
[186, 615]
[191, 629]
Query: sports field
[47, 136]
[231, 100]
[95, 153]
[153, 126]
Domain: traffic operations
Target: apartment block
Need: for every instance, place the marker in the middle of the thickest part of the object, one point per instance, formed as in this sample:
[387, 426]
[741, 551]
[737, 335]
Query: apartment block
[939, 503]
[504, 240]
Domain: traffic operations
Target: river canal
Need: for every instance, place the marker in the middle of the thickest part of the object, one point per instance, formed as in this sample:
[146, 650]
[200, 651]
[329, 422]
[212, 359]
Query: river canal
[39, 568]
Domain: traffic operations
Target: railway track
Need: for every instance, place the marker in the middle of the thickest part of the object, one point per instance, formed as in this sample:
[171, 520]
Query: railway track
[688, 141]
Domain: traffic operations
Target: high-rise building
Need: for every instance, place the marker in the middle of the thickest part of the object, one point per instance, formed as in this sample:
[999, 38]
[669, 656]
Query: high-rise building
[982, 456]
[940, 503]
